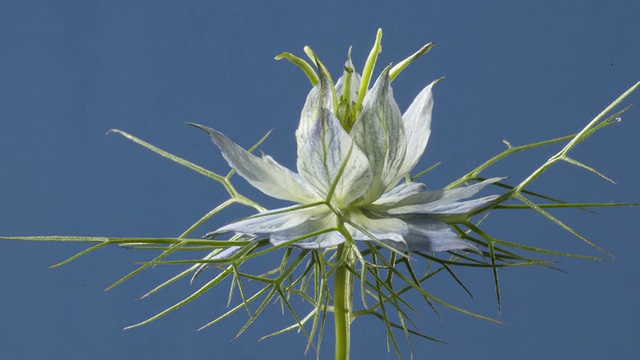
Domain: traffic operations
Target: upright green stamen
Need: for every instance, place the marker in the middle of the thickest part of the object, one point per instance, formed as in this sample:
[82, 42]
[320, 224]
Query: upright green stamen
[347, 111]
[319, 64]
[404, 63]
[368, 68]
[348, 72]
[344, 109]
[306, 68]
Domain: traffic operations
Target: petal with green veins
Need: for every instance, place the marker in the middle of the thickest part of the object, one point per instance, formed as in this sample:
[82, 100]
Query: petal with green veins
[319, 97]
[379, 132]
[427, 233]
[446, 195]
[261, 174]
[321, 241]
[271, 221]
[379, 227]
[320, 222]
[399, 193]
[331, 160]
[226, 253]
[417, 127]
[444, 202]
[312, 194]
[323, 72]
[458, 207]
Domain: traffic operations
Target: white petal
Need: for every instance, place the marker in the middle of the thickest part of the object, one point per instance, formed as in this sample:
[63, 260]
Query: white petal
[320, 221]
[458, 207]
[433, 202]
[322, 241]
[464, 192]
[226, 253]
[271, 221]
[381, 228]
[261, 174]
[399, 193]
[330, 153]
[319, 97]
[426, 233]
[417, 127]
[310, 192]
[379, 132]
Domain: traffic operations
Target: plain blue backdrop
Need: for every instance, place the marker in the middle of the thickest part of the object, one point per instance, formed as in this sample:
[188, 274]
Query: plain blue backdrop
[516, 70]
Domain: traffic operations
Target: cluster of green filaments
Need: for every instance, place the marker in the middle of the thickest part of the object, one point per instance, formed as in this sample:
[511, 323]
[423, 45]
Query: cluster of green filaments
[345, 108]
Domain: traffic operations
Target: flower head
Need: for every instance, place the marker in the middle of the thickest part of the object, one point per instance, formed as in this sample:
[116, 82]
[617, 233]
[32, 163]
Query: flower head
[351, 159]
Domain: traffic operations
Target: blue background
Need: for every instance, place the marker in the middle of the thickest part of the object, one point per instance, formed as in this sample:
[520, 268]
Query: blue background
[516, 70]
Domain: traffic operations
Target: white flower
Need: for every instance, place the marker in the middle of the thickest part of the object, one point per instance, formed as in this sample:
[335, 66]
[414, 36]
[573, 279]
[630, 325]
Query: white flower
[351, 176]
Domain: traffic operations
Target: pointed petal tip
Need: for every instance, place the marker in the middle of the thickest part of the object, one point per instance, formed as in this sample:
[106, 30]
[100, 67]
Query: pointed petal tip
[213, 234]
[206, 129]
[218, 138]
[226, 253]
[494, 180]
[385, 74]
[473, 248]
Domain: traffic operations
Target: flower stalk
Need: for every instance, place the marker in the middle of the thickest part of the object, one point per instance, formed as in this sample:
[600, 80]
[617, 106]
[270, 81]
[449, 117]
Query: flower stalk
[343, 302]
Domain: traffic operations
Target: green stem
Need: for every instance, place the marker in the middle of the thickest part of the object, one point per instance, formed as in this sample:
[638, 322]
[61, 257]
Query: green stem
[342, 302]
[583, 134]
